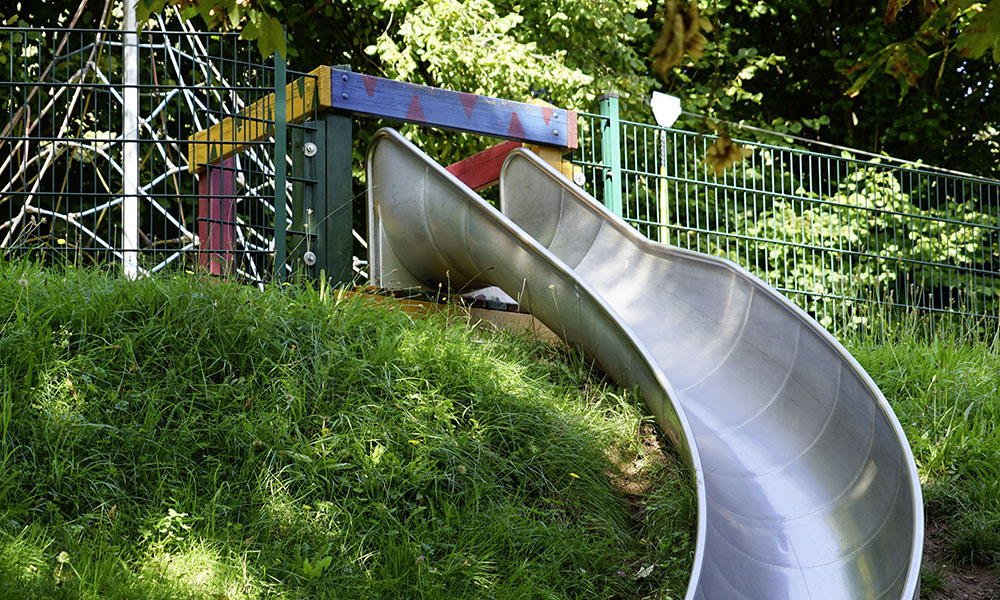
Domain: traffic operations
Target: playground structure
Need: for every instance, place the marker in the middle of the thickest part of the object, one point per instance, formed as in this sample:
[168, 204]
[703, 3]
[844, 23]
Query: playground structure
[807, 489]
[94, 165]
[328, 96]
[805, 483]
[844, 238]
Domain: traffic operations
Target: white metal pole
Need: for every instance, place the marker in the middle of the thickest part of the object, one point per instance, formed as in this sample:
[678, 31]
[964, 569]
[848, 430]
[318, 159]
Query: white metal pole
[130, 141]
[664, 207]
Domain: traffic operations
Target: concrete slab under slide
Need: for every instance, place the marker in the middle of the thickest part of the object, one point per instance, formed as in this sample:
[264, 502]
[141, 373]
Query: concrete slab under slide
[806, 485]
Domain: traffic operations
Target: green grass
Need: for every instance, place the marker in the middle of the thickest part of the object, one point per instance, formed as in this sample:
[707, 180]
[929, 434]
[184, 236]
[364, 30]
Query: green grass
[185, 438]
[945, 390]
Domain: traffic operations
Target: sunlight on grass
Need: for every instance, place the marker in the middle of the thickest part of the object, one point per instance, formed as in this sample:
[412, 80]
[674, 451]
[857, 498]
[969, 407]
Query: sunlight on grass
[22, 559]
[944, 387]
[215, 441]
[177, 439]
[57, 398]
[201, 571]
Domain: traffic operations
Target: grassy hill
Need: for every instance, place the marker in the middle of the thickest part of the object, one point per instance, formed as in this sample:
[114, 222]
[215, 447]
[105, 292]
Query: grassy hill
[185, 438]
[181, 437]
[944, 386]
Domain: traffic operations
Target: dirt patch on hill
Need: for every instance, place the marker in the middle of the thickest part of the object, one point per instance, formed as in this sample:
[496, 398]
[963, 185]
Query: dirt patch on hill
[950, 581]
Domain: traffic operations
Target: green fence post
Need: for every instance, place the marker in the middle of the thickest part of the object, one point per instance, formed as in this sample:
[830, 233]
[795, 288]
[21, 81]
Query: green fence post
[611, 152]
[280, 166]
[335, 241]
[297, 235]
[331, 219]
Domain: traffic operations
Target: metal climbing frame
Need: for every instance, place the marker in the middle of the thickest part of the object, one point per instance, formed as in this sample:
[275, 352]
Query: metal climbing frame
[65, 178]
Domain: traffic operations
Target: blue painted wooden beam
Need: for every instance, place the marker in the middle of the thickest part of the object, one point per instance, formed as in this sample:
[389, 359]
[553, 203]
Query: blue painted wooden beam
[424, 105]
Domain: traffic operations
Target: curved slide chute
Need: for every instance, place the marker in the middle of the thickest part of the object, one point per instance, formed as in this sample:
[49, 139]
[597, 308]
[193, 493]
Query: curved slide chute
[806, 486]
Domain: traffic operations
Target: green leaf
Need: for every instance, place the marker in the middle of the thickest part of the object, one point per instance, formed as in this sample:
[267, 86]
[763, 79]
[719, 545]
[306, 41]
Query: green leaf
[272, 37]
[981, 33]
[907, 62]
[863, 79]
[250, 31]
[147, 8]
[235, 16]
[206, 9]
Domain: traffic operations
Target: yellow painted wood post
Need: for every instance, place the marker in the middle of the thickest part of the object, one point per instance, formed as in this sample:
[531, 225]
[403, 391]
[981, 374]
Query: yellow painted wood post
[305, 98]
[550, 154]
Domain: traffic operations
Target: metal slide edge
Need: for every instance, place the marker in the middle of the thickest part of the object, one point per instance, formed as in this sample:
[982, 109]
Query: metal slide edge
[679, 256]
[510, 259]
[429, 230]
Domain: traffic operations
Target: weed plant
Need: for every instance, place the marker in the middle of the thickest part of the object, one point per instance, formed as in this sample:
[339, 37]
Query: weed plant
[180, 437]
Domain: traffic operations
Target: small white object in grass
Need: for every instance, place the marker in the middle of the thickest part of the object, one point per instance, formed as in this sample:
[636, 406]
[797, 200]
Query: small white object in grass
[644, 572]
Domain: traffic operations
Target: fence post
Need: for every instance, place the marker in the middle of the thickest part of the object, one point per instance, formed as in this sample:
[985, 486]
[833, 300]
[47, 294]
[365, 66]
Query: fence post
[130, 145]
[327, 219]
[611, 152]
[280, 166]
[339, 243]
[664, 212]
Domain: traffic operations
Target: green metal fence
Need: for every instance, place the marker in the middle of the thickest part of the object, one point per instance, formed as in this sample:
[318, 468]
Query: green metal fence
[835, 234]
[66, 180]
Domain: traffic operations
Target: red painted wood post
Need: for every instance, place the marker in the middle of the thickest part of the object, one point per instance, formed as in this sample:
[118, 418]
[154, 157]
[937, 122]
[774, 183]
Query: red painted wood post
[217, 217]
[481, 170]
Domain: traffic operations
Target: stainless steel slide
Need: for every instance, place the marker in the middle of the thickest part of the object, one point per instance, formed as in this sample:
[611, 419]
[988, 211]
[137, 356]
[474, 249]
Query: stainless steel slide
[806, 485]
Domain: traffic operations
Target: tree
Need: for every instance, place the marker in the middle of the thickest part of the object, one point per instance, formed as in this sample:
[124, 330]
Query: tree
[912, 79]
[504, 48]
[794, 67]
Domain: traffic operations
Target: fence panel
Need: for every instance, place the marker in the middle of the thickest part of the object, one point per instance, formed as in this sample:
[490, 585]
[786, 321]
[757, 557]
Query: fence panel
[835, 234]
[63, 170]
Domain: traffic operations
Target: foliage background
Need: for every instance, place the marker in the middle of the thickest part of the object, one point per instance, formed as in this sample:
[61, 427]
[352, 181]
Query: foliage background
[906, 84]
[785, 66]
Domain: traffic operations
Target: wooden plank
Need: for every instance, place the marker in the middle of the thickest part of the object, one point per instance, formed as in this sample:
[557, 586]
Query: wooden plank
[336, 241]
[424, 105]
[305, 98]
[217, 218]
[329, 88]
[553, 156]
[482, 169]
